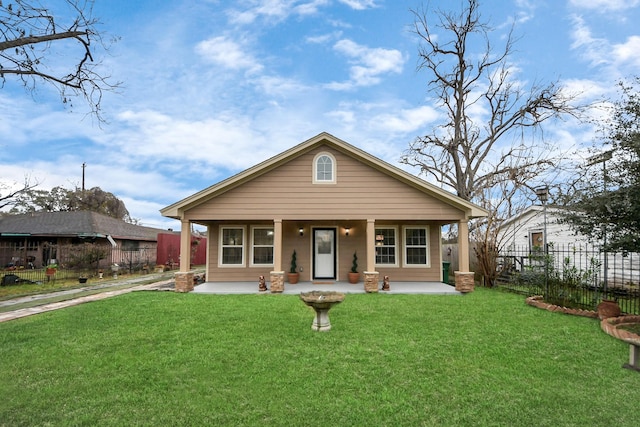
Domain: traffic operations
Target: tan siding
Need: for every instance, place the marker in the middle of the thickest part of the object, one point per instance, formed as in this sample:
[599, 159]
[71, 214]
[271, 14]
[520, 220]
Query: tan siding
[413, 274]
[288, 192]
[215, 273]
[346, 246]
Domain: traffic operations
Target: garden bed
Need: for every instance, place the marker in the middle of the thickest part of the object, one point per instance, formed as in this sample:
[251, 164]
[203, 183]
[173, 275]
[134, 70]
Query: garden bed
[623, 328]
[538, 301]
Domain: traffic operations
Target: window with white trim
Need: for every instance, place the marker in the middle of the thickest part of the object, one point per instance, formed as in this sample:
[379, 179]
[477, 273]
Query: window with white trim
[262, 246]
[231, 246]
[386, 243]
[416, 248]
[324, 169]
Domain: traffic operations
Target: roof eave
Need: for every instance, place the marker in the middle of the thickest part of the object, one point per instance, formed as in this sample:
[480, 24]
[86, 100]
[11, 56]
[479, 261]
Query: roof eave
[177, 209]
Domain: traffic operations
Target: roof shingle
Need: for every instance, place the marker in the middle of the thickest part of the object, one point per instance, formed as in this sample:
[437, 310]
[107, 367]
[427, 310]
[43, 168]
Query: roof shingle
[75, 224]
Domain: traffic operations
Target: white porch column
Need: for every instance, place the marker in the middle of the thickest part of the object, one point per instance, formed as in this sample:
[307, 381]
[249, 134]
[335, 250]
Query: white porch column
[463, 245]
[371, 245]
[277, 245]
[371, 275]
[465, 280]
[277, 275]
[185, 245]
[184, 277]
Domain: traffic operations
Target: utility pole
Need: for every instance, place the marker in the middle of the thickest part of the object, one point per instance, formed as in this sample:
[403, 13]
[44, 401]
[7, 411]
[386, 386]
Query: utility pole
[594, 160]
[84, 165]
[543, 195]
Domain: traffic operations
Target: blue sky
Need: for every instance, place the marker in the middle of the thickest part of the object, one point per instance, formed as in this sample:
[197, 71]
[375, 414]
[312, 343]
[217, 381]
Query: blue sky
[210, 88]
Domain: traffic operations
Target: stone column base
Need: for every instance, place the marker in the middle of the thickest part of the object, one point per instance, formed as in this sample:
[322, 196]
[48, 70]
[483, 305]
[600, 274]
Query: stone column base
[371, 281]
[184, 281]
[464, 281]
[277, 281]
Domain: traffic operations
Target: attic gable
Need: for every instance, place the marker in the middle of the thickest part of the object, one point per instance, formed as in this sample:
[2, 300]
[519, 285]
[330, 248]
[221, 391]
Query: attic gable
[328, 142]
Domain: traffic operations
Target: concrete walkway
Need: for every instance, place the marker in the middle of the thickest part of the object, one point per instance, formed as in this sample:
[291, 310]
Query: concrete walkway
[71, 301]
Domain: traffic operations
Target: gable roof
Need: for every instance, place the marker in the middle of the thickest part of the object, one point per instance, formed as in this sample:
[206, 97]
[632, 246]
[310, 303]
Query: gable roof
[177, 209]
[532, 212]
[84, 224]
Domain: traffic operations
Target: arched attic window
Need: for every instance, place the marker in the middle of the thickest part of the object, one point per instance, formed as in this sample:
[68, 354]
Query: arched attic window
[324, 169]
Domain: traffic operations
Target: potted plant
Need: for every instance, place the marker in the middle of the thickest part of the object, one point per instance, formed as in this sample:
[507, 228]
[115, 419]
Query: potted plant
[51, 269]
[608, 308]
[293, 274]
[354, 276]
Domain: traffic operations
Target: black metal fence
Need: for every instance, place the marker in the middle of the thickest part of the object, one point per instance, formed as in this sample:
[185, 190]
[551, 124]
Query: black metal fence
[74, 261]
[578, 276]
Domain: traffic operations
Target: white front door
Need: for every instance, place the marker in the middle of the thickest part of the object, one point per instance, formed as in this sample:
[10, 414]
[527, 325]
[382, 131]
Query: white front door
[324, 253]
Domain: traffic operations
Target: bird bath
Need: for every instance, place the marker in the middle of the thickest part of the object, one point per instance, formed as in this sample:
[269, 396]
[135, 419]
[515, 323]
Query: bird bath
[321, 301]
[614, 326]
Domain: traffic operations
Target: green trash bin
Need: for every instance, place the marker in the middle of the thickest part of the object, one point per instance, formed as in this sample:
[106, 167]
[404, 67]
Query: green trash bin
[445, 271]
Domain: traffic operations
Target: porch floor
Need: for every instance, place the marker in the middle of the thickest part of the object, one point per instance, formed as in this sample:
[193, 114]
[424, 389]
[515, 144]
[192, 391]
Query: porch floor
[435, 288]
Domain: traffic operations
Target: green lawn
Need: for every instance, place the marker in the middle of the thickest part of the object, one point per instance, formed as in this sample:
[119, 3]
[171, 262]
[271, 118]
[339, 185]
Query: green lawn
[160, 359]
[68, 279]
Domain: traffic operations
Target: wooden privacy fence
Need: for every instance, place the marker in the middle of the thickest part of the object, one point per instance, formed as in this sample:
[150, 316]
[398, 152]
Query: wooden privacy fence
[451, 254]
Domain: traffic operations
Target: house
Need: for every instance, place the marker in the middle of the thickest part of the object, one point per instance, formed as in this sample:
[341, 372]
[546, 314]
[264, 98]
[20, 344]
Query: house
[35, 239]
[527, 228]
[326, 200]
[521, 243]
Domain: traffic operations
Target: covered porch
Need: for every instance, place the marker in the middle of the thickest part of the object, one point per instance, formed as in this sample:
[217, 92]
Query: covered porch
[238, 288]
[345, 239]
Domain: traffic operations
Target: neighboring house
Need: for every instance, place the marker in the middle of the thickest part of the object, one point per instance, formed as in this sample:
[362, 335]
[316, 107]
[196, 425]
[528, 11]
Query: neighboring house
[526, 229]
[36, 239]
[521, 243]
[326, 200]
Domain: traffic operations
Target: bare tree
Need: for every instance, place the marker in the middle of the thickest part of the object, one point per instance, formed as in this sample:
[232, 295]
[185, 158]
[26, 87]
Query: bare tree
[10, 195]
[30, 32]
[487, 140]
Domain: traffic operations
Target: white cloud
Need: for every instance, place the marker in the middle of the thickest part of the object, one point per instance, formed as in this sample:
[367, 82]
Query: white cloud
[595, 50]
[228, 53]
[271, 9]
[310, 8]
[585, 90]
[280, 86]
[212, 141]
[275, 10]
[406, 120]
[383, 118]
[628, 52]
[526, 11]
[619, 59]
[323, 38]
[346, 117]
[604, 5]
[359, 4]
[368, 64]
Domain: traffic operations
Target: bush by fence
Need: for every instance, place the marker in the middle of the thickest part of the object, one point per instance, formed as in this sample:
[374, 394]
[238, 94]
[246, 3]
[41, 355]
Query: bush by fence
[576, 276]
